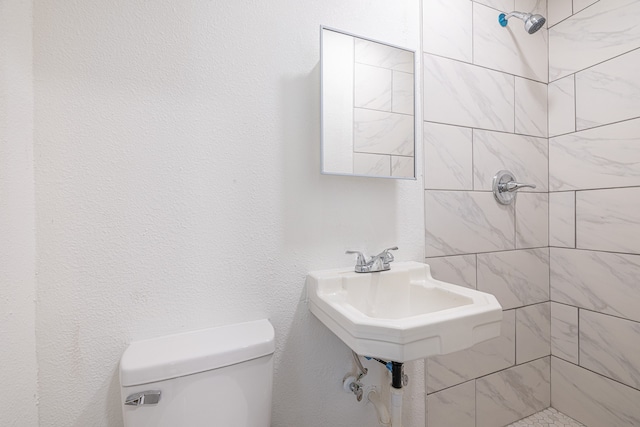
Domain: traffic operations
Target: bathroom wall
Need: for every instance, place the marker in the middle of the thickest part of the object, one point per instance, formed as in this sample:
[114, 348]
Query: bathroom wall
[594, 229]
[178, 187]
[18, 371]
[485, 109]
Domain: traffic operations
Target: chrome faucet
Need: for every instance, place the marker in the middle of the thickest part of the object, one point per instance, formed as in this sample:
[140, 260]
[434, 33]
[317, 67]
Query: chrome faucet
[380, 262]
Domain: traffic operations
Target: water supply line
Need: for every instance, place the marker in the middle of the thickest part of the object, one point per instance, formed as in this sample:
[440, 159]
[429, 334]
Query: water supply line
[363, 370]
[352, 383]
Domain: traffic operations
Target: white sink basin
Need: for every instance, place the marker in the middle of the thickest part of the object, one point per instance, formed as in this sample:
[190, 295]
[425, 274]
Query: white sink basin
[402, 314]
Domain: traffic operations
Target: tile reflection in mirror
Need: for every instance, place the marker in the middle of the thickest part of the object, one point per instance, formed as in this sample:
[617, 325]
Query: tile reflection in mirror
[367, 104]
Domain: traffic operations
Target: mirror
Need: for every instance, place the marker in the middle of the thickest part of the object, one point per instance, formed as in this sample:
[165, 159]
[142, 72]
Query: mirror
[367, 107]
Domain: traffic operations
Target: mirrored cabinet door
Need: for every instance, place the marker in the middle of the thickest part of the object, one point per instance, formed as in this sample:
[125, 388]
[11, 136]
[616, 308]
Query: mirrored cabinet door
[368, 107]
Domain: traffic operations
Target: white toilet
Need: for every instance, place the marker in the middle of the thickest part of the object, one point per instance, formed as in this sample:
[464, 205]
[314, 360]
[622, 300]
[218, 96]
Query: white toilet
[213, 377]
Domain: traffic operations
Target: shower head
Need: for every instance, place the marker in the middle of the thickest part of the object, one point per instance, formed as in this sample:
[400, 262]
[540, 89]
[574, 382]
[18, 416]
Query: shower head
[532, 23]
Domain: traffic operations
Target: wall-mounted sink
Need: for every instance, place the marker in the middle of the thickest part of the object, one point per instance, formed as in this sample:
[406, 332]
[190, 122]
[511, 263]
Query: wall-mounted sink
[402, 314]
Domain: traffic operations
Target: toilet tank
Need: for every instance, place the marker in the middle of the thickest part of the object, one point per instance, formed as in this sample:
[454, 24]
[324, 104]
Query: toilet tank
[213, 377]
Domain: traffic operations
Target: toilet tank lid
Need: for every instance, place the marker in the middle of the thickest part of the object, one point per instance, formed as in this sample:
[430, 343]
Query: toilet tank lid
[189, 353]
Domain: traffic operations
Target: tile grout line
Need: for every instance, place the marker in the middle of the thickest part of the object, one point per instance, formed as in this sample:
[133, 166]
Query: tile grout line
[575, 102]
[494, 130]
[579, 309]
[514, 365]
[632, 254]
[599, 374]
[596, 64]
[575, 219]
[482, 66]
[617, 122]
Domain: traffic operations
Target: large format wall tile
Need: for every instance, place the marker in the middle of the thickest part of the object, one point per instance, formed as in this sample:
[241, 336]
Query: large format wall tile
[459, 270]
[448, 37]
[533, 329]
[531, 107]
[510, 395]
[461, 222]
[526, 157]
[377, 132]
[598, 33]
[612, 83]
[578, 5]
[482, 359]
[448, 153]
[592, 399]
[507, 5]
[558, 10]
[466, 95]
[610, 346]
[599, 281]
[562, 106]
[564, 332]
[532, 220]
[604, 157]
[562, 219]
[455, 406]
[510, 49]
[516, 278]
[608, 220]
[533, 6]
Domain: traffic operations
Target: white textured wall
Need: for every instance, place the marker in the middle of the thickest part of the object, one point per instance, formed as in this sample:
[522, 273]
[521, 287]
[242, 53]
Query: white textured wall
[17, 218]
[178, 187]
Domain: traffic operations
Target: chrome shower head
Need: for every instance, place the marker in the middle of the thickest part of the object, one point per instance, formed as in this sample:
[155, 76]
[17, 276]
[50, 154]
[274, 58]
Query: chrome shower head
[532, 23]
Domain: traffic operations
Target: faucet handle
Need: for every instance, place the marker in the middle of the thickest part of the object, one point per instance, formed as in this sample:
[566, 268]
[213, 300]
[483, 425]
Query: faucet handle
[361, 260]
[386, 256]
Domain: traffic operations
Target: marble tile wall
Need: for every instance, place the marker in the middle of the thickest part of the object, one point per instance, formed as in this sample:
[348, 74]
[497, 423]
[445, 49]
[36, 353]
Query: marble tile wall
[591, 398]
[597, 33]
[594, 210]
[564, 261]
[485, 110]
[516, 278]
[513, 394]
[483, 359]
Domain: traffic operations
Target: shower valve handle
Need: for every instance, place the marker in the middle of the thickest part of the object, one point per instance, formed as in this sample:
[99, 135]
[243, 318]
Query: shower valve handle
[505, 187]
[512, 186]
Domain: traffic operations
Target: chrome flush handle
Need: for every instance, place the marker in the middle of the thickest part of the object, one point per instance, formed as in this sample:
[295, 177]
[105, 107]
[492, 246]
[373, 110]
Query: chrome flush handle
[149, 397]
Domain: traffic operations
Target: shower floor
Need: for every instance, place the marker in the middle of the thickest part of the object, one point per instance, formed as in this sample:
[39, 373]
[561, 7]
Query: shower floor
[547, 418]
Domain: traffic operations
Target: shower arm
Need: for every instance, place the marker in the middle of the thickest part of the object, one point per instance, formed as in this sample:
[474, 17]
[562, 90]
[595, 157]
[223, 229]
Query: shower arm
[520, 15]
